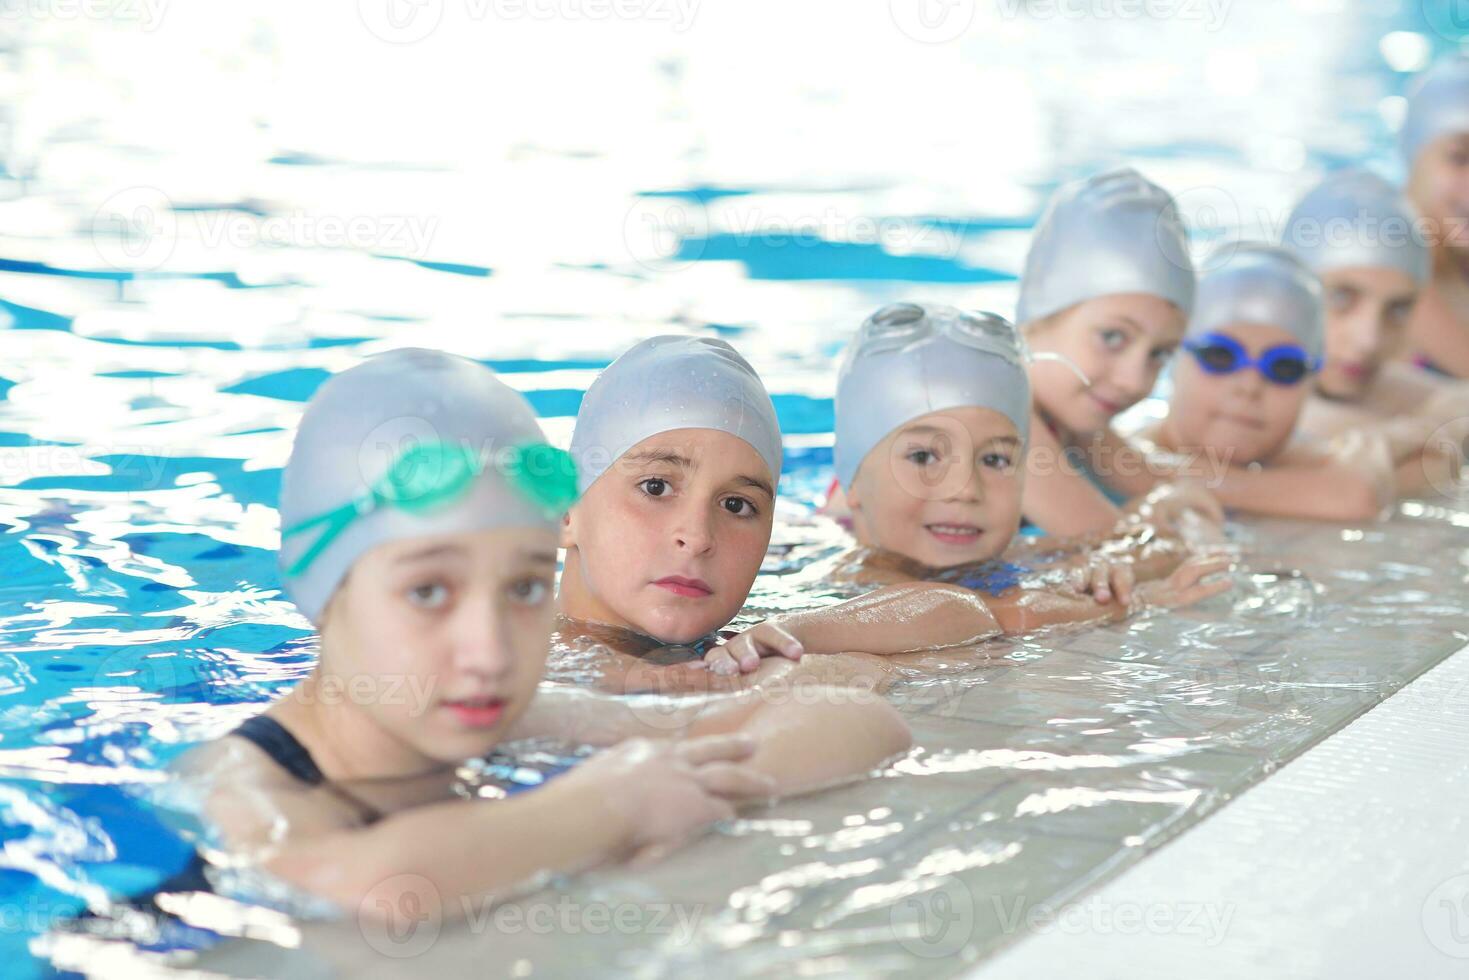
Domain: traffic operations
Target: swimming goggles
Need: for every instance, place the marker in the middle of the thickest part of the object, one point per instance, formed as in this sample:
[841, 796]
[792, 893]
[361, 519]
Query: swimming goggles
[898, 323]
[434, 474]
[1219, 353]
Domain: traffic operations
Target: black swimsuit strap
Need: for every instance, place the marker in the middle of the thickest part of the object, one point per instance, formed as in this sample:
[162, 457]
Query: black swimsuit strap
[276, 741]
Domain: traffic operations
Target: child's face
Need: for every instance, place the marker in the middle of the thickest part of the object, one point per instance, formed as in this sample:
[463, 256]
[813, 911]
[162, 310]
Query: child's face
[668, 541]
[442, 640]
[1120, 343]
[943, 490]
[1367, 311]
[1241, 415]
[1439, 186]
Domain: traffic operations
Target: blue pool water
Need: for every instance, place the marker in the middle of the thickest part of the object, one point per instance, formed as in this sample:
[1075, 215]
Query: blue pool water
[202, 218]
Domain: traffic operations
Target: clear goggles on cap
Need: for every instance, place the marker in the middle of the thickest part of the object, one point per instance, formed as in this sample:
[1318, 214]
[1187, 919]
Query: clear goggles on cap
[900, 323]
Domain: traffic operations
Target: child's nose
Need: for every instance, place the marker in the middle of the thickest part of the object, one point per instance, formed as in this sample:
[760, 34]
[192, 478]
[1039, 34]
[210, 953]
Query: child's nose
[482, 643]
[693, 531]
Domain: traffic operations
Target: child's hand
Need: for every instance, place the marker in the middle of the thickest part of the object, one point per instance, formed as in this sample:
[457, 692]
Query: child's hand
[1104, 577]
[1167, 505]
[665, 792]
[742, 654]
[1186, 586]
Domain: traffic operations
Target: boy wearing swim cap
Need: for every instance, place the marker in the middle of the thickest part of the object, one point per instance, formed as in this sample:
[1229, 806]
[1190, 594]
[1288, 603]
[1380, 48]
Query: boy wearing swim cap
[1254, 344]
[933, 418]
[420, 510]
[1434, 141]
[1365, 242]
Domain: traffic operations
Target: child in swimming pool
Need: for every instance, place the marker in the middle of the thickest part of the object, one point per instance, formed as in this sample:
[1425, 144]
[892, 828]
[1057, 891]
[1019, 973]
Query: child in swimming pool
[1104, 298]
[1358, 233]
[932, 419]
[1435, 146]
[419, 514]
[681, 451]
[1254, 343]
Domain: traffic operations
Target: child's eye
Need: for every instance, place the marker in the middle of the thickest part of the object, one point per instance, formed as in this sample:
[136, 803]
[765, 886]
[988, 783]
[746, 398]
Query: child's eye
[922, 457]
[1398, 313]
[1160, 355]
[530, 591]
[1112, 338]
[996, 461]
[654, 486]
[738, 506]
[1340, 299]
[430, 595]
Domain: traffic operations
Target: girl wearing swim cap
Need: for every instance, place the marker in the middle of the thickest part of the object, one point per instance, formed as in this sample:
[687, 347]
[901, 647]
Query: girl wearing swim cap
[420, 510]
[1365, 241]
[1104, 298]
[1434, 141]
[1254, 345]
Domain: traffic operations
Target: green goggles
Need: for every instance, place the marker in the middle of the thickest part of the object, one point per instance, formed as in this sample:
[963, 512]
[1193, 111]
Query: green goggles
[432, 475]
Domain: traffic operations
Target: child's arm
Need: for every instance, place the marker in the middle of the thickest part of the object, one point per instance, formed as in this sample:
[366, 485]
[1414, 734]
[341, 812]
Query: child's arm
[1333, 487]
[931, 615]
[807, 732]
[1057, 497]
[639, 795]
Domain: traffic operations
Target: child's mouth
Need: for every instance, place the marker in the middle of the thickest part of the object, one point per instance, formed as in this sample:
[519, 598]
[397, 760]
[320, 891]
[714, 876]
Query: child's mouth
[482, 712]
[691, 588]
[954, 533]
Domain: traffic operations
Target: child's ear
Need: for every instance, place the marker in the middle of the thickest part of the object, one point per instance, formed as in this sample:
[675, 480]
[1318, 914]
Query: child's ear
[568, 531]
[854, 496]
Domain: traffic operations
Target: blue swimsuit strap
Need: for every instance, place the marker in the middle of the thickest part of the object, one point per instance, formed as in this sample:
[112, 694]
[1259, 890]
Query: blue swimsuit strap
[993, 578]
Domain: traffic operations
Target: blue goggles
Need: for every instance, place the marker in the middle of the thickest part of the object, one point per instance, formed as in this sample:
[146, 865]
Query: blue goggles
[1219, 353]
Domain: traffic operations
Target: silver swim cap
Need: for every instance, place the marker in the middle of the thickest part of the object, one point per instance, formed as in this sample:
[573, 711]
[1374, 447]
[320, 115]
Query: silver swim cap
[908, 360]
[408, 444]
[1355, 218]
[672, 382]
[1438, 104]
[1116, 232]
[1250, 282]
